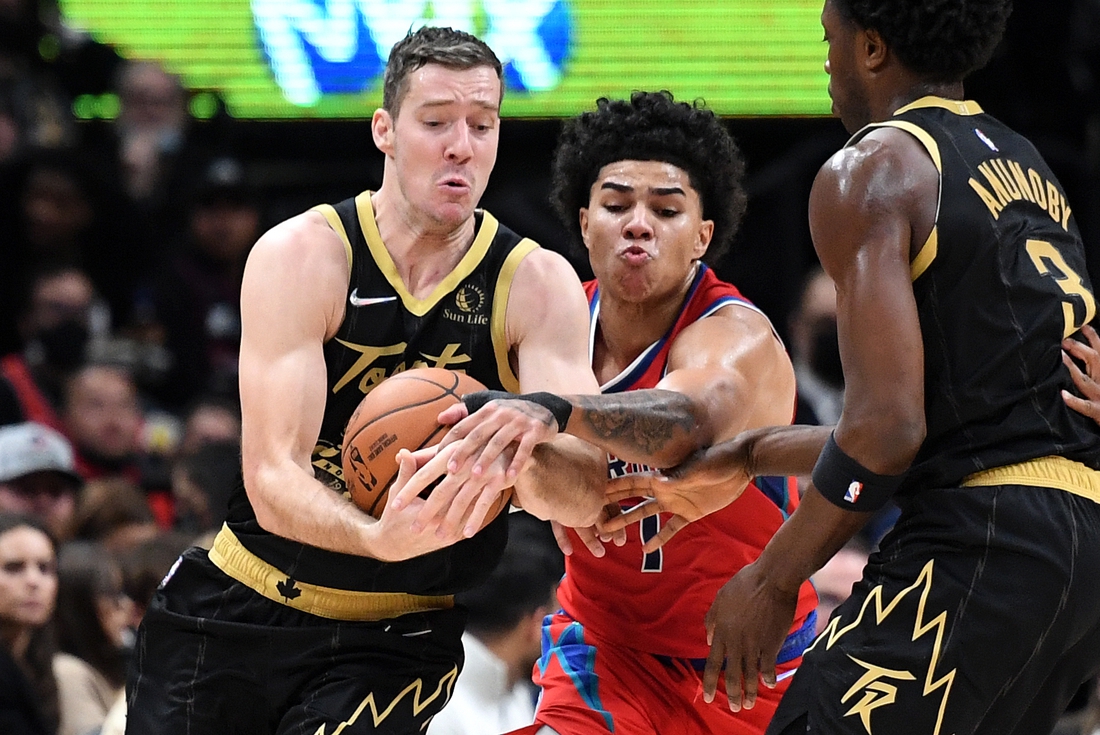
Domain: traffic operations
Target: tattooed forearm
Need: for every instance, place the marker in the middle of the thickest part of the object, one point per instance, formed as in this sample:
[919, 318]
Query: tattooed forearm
[658, 427]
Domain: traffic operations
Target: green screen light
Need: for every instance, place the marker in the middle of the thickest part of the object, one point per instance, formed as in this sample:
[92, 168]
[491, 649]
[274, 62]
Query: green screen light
[324, 58]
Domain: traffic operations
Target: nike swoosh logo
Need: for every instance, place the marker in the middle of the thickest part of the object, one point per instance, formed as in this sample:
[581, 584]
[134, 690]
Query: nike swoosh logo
[354, 300]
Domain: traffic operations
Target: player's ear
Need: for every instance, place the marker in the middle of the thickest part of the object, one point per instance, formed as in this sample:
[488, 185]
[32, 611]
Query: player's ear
[873, 48]
[706, 234]
[381, 127]
[583, 218]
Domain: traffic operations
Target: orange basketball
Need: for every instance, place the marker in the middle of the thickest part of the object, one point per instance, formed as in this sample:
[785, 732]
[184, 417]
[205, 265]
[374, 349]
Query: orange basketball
[399, 413]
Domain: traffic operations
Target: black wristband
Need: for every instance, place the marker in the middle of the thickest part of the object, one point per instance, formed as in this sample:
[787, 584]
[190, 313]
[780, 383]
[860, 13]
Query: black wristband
[847, 484]
[558, 407]
[474, 401]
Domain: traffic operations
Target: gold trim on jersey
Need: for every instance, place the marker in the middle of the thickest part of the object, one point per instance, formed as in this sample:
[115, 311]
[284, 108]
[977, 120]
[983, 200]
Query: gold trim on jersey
[419, 307]
[334, 221]
[917, 132]
[230, 555]
[959, 107]
[497, 329]
[1054, 472]
[931, 246]
[926, 255]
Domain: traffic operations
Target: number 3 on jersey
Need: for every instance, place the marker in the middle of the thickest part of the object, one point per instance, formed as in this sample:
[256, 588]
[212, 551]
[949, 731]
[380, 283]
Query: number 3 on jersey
[1048, 261]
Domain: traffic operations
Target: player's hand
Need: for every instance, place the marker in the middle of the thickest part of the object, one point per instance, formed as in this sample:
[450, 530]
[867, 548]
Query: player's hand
[746, 626]
[593, 537]
[397, 535]
[709, 480]
[1087, 381]
[486, 433]
[459, 502]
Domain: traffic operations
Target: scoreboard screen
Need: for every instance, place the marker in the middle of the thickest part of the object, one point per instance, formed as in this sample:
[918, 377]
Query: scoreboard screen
[272, 59]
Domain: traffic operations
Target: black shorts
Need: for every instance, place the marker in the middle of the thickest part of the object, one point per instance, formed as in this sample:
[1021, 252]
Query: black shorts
[980, 615]
[214, 657]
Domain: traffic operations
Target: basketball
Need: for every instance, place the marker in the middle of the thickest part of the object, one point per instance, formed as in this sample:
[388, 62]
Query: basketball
[399, 413]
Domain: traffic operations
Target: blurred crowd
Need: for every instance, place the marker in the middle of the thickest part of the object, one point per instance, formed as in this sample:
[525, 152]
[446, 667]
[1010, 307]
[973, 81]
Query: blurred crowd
[122, 247]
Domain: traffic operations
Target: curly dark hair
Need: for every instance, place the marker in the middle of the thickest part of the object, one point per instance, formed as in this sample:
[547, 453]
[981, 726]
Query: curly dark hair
[942, 39]
[433, 45]
[652, 126]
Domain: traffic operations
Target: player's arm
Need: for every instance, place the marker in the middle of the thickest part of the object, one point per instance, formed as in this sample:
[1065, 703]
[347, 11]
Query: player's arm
[546, 325]
[863, 209]
[292, 300]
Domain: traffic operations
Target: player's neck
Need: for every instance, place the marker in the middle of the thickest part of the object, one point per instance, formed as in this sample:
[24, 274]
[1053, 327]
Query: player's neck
[913, 90]
[423, 252]
[627, 328]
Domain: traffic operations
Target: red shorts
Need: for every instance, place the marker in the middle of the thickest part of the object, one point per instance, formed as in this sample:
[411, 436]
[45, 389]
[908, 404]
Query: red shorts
[590, 687]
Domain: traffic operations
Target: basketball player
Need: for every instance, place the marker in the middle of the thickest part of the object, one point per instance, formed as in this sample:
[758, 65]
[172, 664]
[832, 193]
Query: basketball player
[959, 272]
[652, 188]
[307, 615]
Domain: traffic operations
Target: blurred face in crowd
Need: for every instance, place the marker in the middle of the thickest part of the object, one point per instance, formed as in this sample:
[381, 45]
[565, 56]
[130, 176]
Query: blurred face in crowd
[56, 210]
[443, 140]
[644, 229]
[814, 332]
[28, 578]
[49, 496]
[225, 229]
[56, 322]
[115, 611]
[207, 425]
[150, 98]
[102, 413]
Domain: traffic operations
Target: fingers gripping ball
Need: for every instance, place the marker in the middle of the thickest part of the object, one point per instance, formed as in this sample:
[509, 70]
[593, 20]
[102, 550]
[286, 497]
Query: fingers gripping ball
[399, 413]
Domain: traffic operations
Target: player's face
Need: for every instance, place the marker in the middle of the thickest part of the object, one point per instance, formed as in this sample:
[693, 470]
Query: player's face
[849, 98]
[28, 577]
[443, 141]
[644, 229]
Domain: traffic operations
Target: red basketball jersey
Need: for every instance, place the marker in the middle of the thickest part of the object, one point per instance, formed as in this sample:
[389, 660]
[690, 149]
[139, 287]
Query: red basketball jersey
[656, 602]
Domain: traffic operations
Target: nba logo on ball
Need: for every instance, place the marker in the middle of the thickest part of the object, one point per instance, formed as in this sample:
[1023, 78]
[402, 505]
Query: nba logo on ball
[319, 47]
[853, 491]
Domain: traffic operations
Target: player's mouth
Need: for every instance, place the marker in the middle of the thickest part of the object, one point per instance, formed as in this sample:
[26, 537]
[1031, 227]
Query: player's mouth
[635, 255]
[455, 185]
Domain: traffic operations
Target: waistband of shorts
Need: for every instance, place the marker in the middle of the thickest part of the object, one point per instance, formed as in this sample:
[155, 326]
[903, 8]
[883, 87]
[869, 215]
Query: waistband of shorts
[1054, 472]
[229, 555]
[793, 646]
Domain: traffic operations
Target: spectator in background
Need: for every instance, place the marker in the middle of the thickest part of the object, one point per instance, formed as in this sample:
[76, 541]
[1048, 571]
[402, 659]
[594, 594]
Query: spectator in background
[143, 569]
[202, 482]
[503, 635]
[102, 416]
[149, 150]
[197, 293]
[94, 616]
[210, 419]
[815, 352]
[115, 513]
[64, 211]
[104, 420]
[41, 107]
[38, 476]
[60, 315]
[28, 591]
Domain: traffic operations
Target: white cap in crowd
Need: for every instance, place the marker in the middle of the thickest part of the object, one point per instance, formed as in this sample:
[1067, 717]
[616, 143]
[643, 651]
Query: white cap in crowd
[29, 447]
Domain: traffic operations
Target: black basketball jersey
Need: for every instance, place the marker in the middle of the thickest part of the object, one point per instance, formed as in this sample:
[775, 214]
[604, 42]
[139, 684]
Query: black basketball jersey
[386, 330]
[999, 283]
